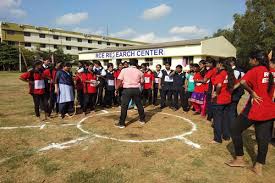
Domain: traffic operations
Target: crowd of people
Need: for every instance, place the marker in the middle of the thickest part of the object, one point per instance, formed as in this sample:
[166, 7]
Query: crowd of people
[212, 88]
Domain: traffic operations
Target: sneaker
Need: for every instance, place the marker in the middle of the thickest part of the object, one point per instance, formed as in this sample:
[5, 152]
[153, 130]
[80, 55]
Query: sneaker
[119, 125]
[142, 122]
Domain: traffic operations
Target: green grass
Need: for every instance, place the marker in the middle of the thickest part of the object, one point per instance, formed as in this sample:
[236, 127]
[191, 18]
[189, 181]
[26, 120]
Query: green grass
[110, 175]
[47, 166]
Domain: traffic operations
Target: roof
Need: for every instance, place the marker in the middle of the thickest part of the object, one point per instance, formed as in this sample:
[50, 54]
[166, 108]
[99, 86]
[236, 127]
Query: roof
[21, 27]
[148, 46]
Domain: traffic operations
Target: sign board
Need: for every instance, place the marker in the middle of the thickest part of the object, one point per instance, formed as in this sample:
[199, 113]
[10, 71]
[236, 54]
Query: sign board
[130, 54]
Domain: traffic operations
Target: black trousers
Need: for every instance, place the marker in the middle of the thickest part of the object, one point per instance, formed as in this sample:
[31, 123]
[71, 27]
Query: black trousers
[222, 122]
[209, 106]
[100, 95]
[89, 101]
[66, 107]
[40, 100]
[118, 97]
[147, 96]
[155, 95]
[234, 109]
[53, 104]
[127, 95]
[109, 98]
[176, 94]
[80, 98]
[166, 93]
[263, 131]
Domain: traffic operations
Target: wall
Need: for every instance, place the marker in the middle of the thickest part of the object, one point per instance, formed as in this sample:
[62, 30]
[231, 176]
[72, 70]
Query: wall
[219, 47]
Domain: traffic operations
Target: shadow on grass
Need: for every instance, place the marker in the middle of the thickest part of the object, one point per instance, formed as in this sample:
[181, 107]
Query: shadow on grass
[248, 143]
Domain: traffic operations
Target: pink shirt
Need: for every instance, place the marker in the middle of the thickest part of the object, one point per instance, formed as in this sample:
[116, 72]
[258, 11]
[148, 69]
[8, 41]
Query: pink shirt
[131, 77]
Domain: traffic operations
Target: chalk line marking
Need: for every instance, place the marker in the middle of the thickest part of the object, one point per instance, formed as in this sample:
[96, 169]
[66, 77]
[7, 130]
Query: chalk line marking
[42, 126]
[177, 137]
[63, 145]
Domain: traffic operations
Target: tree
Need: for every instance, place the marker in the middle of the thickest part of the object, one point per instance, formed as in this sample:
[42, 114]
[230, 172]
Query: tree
[255, 29]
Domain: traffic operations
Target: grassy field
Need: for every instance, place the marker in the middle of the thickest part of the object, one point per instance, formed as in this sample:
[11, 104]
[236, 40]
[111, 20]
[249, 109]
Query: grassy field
[102, 160]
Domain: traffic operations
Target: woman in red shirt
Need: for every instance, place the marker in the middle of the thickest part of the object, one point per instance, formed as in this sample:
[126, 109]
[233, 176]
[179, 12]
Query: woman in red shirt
[149, 78]
[35, 78]
[198, 96]
[259, 111]
[89, 88]
[221, 98]
[116, 74]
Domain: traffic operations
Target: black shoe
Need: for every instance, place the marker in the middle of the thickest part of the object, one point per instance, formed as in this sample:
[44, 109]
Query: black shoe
[162, 107]
[119, 125]
[142, 122]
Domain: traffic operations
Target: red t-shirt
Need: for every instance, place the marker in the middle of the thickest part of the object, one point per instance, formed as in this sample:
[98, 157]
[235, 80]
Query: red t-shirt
[257, 79]
[210, 75]
[225, 95]
[36, 82]
[50, 74]
[148, 80]
[199, 88]
[88, 87]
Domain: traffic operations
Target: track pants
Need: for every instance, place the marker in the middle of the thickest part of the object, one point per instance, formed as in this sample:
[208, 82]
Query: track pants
[263, 131]
[40, 100]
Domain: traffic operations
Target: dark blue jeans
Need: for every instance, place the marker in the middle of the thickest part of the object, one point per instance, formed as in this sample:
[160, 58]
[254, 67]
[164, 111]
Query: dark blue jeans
[222, 122]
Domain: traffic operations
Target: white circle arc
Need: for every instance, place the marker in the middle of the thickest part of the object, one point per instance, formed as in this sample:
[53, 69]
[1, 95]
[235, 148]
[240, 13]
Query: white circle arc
[177, 137]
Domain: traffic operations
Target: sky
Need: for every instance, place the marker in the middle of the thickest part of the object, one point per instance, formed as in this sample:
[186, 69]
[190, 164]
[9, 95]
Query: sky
[139, 20]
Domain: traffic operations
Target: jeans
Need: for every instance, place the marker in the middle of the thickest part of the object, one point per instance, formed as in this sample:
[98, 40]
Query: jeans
[222, 122]
[263, 135]
[40, 100]
[127, 95]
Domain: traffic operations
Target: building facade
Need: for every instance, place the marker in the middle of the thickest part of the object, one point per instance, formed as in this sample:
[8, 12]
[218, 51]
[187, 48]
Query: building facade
[178, 52]
[47, 39]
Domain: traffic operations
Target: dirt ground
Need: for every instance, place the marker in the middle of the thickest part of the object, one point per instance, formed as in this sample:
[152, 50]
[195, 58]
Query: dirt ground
[83, 157]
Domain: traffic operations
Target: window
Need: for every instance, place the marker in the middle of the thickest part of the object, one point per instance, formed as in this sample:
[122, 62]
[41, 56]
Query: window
[187, 60]
[117, 44]
[42, 45]
[108, 43]
[42, 35]
[167, 60]
[10, 32]
[11, 43]
[124, 45]
[68, 47]
[79, 49]
[55, 46]
[27, 34]
[28, 44]
[55, 37]
[99, 42]
[68, 39]
[90, 41]
[89, 48]
[149, 61]
[105, 62]
[79, 40]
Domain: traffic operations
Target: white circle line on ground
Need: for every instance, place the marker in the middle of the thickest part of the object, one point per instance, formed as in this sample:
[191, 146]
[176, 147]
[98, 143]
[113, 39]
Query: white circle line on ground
[178, 137]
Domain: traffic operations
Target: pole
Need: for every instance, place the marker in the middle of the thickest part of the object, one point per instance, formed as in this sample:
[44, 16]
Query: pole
[20, 64]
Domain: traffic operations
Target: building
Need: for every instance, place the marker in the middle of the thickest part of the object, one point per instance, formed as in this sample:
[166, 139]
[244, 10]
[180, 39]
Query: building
[46, 39]
[177, 52]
